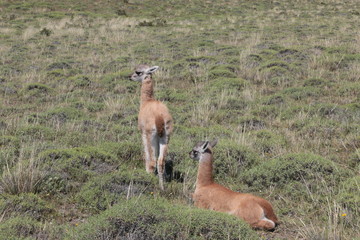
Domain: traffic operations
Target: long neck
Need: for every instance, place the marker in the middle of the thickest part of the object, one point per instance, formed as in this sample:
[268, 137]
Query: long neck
[205, 176]
[147, 90]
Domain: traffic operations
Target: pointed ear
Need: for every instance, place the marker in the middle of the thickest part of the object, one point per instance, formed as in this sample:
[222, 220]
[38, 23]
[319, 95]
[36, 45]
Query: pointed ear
[152, 69]
[205, 145]
[213, 143]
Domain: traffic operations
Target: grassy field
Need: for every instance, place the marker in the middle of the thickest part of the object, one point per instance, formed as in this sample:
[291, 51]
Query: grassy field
[277, 82]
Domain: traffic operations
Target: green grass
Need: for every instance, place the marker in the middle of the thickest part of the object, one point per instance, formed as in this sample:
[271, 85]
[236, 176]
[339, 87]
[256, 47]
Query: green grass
[277, 82]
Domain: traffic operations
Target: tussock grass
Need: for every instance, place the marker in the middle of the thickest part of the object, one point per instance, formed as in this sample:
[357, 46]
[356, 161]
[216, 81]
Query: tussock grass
[24, 176]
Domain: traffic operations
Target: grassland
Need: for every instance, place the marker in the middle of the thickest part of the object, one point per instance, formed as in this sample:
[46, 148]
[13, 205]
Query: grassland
[277, 82]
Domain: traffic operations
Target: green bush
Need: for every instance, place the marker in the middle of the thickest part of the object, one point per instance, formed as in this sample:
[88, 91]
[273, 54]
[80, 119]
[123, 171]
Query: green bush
[76, 165]
[80, 81]
[267, 111]
[330, 110]
[37, 90]
[173, 95]
[349, 194]
[267, 141]
[303, 93]
[9, 141]
[38, 132]
[10, 149]
[120, 82]
[57, 115]
[315, 82]
[276, 99]
[21, 228]
[223, 83]
[231, 159]
[198, 133]
[221, 72]
[306, 171]
[251, 123]
[199, 59]
[102, 192]
[25, 205]
[56, 73]
[325, 129]
[52, 184]
[125, 151]
[95, 107]
[346, 89]
[115, 65]
[60, 65]
[64, 114]
[146, 218]
[274, 71]
[272, 64]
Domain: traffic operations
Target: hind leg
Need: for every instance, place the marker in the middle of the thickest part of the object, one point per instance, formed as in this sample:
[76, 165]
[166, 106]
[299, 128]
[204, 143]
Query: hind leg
[150, 162]
[161, 159]
[254, 214]
[265, 224]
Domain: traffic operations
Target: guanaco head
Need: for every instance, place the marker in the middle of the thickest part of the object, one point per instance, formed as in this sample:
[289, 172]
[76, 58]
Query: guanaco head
[142, 72]
[202, 147]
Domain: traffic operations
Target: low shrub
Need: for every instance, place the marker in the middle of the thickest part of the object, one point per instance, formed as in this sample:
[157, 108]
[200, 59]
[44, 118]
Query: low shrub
[10, 149]
[9, 141]
[56, 115]
[125, 151]
[223, 83]
[221, 72]
[95, 107]
[349, 194]
[76, 165]
[276, 99]
[303, 170]
[315, 82]
[303, 93]
[80, 81]
[147, 218]
[32, 132]
[21, 228]
[102, 192]
[231, 159]
[37, 90]
[268, 142]
[119, 81]
[25, 205]
[250, 123]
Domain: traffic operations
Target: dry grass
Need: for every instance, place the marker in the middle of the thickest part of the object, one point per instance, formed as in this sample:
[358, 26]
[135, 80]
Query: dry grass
[23, 177]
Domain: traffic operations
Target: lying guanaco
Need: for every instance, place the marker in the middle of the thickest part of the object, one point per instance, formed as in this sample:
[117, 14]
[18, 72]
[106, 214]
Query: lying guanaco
[154, 121]
[209, 195]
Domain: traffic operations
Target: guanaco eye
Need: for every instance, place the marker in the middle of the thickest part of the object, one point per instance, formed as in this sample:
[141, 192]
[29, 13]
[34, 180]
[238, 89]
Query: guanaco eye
[139, 73]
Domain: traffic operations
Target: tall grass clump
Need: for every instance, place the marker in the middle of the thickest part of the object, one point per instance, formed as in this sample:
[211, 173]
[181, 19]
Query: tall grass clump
[24, 177]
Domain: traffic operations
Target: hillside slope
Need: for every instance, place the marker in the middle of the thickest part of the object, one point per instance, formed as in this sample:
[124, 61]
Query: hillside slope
[277, 82]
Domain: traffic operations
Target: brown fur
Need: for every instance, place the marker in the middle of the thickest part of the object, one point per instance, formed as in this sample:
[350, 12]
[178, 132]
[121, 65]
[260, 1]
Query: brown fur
[155, 123]
[210, 195]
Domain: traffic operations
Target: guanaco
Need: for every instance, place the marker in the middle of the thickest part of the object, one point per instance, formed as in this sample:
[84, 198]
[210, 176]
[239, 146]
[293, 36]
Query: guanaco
[209, 195]
[154, 121]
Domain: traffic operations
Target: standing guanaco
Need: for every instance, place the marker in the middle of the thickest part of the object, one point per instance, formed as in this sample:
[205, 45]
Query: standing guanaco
[154, 121]
[209, 195]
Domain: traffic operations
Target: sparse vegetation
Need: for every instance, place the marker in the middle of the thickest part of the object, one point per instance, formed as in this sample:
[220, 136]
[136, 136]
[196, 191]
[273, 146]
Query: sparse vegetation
[277, 82]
